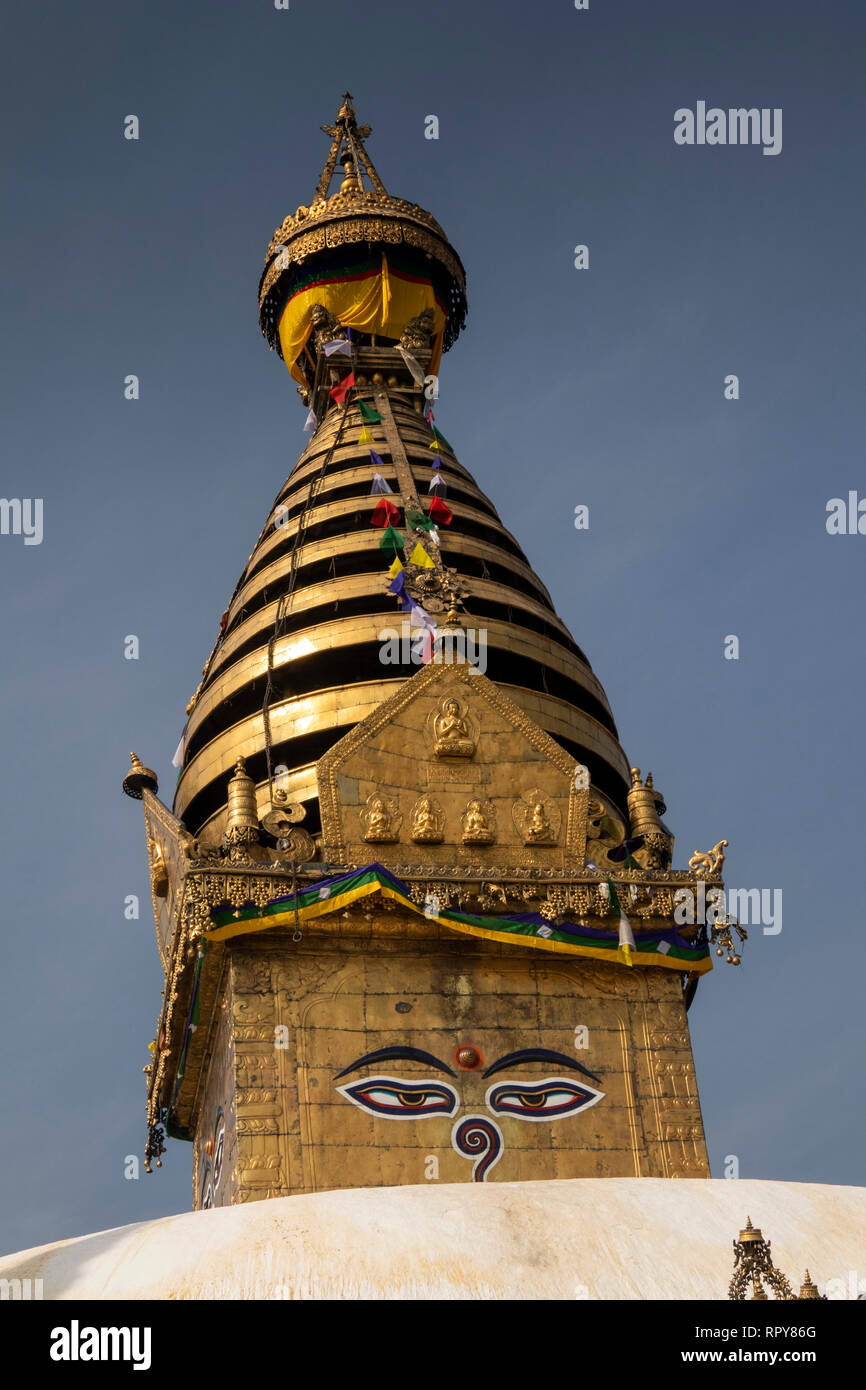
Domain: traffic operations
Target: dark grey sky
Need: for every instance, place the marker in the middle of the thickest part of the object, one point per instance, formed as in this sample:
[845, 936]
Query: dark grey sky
[602, 387]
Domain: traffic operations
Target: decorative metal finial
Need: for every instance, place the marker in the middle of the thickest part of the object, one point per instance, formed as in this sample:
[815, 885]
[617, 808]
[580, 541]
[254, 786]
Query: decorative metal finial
[810, 1290]
[753, 1263]
[242, 818]
[137, 778]
[346, 133]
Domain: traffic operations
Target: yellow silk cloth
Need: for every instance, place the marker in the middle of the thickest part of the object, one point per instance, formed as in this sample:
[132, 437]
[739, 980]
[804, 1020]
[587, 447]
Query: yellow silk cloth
[382, 301]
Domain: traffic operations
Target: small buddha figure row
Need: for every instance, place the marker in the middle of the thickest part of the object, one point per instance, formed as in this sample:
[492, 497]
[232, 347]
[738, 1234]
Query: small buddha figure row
[381, 822]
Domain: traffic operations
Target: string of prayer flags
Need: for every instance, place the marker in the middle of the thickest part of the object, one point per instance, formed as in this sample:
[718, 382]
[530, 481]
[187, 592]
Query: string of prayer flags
[437, 482]
[342, 388]
[392, 540]
[384, 513]
[368, 414]
[311, 424]
[420, 558]
[394, 568]
[338, 345]
[380, 484]
[365, 437]
[413, 364]
[439, 441]
[439, 512]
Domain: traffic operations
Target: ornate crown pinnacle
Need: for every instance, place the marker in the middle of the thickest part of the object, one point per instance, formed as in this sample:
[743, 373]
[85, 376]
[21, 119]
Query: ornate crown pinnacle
[348, 136]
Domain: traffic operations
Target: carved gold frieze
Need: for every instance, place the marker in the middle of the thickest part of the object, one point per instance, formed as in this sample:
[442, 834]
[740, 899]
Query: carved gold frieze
[475, 744]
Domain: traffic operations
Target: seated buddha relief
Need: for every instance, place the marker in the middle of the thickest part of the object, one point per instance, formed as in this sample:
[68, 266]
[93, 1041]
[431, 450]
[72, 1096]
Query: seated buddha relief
[428, 822]
[451, 731]
[380, 820]
[478, 824]
[536, 819]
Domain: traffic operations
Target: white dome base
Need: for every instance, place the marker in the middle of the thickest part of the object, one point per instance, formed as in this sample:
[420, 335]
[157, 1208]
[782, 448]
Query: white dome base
[588, 1238]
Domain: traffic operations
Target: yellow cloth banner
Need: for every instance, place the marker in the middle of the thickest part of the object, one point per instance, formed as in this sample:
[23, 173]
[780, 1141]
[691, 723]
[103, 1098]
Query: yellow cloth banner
[420, 557]
[379, 302]
[394, 568]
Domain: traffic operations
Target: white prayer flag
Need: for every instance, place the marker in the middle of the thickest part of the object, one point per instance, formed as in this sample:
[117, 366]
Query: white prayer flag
[413, 364]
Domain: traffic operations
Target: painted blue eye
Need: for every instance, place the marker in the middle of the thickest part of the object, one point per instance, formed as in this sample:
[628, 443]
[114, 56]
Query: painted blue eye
[551, 1099]
[401, 1100]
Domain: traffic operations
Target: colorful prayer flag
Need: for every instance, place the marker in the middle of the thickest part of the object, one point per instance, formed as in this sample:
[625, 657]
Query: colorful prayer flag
[342, 388]
[380, 484]
[337, 345]
[437, 483]
[413, 364]
[365, 437]
[626, 935]
[394, 568]
[311, 423]
[384, 513]
[368, 414]
[419, 617]
[439, 439]
[392, 540]
[439, 513]
[420, 557]
[437, 462]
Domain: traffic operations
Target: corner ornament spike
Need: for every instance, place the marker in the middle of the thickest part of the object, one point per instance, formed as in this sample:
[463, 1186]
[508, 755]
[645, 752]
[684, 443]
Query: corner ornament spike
[137, 778]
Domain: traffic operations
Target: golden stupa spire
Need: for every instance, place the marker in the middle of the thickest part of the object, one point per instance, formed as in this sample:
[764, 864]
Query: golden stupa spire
[299, 657]
[348, 136]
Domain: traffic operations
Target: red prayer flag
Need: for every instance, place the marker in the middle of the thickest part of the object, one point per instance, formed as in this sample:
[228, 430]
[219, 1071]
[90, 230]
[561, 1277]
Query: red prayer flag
[342, 388]
[384, 513]
[440, 513]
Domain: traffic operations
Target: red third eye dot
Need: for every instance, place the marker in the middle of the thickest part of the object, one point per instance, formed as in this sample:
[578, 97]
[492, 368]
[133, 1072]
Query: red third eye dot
[467, 1057]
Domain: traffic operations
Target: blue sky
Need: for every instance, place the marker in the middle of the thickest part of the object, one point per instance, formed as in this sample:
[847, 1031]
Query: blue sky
[602, 387]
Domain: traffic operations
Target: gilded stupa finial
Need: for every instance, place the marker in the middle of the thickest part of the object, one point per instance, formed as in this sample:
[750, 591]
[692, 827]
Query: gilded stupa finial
[348, 136]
